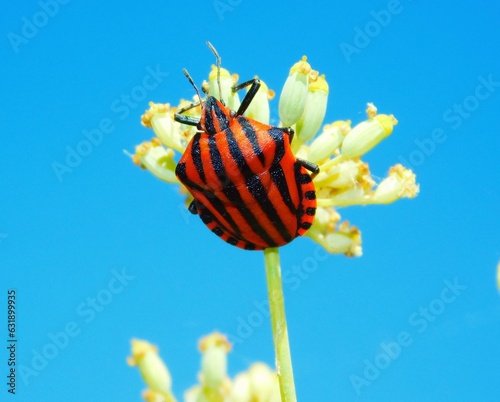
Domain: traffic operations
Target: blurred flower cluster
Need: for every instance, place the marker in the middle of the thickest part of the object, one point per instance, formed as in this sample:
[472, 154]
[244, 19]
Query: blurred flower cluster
[258, 384]
[344, 178]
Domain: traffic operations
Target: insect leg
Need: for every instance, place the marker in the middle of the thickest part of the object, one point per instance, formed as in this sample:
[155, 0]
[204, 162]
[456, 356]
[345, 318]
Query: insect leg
[290, 132]
[312, 167]
[249, 95]
[192, 208]
[189, 120]
[192, 121]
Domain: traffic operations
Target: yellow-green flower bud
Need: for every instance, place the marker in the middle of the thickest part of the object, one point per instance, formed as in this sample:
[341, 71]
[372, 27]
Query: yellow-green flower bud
[240, 389]
[215, 348]
[326, 219]
[195, 394]
[345, 175]
[294, 93]
[314, 110]
[366, 135]
[227, 81]
[400, 183]
[259, 107]
[344, 243]
[328, 141]
[159, 117]
[259, 384]
[264, 384]
[350, 196]
[343, 239]
[153, 371]
[156, 159]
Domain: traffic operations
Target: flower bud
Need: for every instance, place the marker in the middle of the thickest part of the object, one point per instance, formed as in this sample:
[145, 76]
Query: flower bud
[227, 81]
[347, 243]
[328, 141]
[153, 371]
[326, 219]
[160, 118]
[314, 109]
[293, 96]
[400, 183]
[158, 160]
[345, 175]
[214, 348]
[240, 390]
[364, 136]
[259, 107]
[264, 383]
[349, 196]
[195, 394]
[258, 384]
[336, 240]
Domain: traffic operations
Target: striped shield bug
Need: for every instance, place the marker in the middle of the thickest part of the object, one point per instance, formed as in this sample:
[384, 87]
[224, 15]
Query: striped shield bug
[248, 186]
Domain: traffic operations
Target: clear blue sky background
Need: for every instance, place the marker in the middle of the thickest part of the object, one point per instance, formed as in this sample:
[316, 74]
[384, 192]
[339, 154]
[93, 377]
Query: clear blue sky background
[62, 241]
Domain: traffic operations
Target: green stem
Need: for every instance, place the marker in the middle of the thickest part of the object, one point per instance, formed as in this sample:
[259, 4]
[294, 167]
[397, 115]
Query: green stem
[278, 323]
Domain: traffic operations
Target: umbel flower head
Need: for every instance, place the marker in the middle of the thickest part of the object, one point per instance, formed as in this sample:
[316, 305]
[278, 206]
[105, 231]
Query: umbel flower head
[258, 384]
[344, 179]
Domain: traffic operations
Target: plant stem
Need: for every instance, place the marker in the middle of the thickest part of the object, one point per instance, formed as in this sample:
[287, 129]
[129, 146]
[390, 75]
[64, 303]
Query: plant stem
[278, 323]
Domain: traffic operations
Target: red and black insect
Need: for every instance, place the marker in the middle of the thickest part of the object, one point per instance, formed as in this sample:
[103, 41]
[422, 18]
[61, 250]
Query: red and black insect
[248, 186]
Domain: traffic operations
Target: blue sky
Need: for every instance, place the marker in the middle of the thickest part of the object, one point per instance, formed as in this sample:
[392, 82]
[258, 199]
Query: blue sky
[424, 290]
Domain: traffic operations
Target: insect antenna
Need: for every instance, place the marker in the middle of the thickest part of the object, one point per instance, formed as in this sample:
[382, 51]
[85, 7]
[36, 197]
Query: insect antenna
[193, 84]
[218, 63]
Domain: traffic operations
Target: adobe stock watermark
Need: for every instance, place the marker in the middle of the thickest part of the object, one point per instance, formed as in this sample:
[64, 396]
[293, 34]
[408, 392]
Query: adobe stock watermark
[222, 7]
[418, 321]
[292, 278]
[31, 26]
[453, 117]
[86, 313]
[121, 108]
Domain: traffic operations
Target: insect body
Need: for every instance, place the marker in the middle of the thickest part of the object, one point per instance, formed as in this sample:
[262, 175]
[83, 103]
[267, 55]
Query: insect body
[247, 185]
